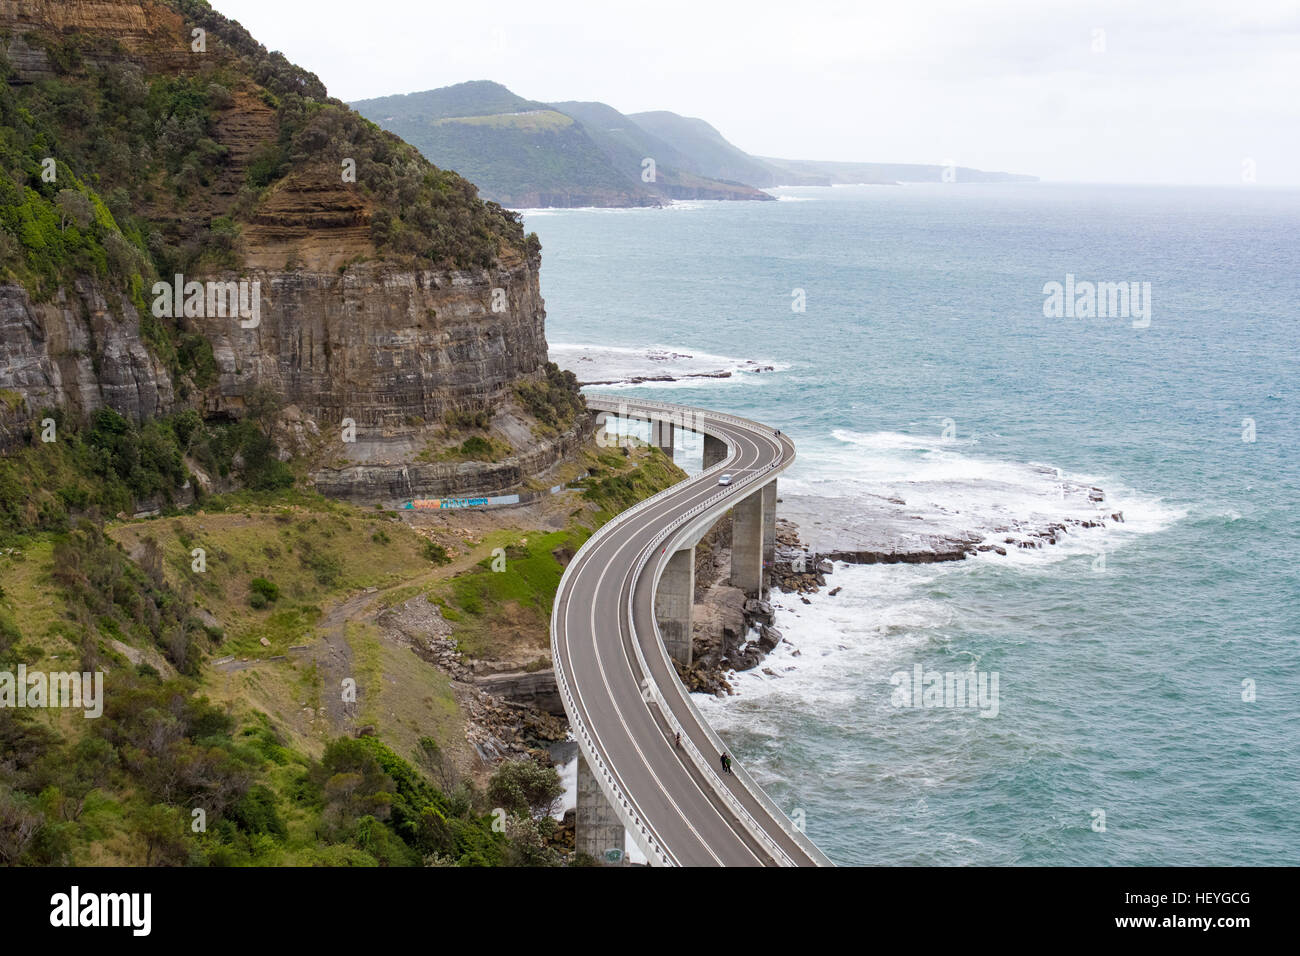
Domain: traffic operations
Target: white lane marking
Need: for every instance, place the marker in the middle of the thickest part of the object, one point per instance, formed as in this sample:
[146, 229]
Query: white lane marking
[757, 810]
[603, 747]
[742, 834]
[762, 812]
[667, 505]
[595, 738]
[604, 677]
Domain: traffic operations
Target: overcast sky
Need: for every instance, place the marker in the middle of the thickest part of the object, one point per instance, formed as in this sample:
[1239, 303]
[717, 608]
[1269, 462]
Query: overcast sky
[1144, 91]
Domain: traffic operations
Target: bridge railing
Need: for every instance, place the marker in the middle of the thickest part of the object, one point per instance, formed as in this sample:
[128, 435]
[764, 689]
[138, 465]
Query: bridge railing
[623, 806]
[746, 780]
[632, 821]
[702, 763]
[758, 478]
[641, 831]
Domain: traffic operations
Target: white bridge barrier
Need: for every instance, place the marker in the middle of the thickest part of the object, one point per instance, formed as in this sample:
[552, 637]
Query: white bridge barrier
[650, 843]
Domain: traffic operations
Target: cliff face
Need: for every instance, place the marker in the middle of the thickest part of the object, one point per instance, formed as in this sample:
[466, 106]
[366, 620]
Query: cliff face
[143, 30]
[74, 353]
[348, 326]
[379, 345]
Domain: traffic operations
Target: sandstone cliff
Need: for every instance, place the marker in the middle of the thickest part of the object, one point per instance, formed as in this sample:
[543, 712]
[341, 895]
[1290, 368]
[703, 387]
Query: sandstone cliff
[393, 299]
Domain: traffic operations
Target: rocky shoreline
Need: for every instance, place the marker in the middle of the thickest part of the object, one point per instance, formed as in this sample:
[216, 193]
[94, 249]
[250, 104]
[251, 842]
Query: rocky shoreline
[596, 365]
[733, 633]
[874, 529]
[510, 714]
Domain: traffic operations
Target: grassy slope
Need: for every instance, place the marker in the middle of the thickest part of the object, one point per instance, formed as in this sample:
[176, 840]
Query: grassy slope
[321, 556]
[627, 145]
[497, 613]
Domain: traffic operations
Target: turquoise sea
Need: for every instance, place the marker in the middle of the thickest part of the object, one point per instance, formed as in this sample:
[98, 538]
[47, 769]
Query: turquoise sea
[1125, 682]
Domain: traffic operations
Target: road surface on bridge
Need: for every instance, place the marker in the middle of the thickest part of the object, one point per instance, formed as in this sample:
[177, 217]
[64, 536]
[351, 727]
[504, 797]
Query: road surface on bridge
[624, 700]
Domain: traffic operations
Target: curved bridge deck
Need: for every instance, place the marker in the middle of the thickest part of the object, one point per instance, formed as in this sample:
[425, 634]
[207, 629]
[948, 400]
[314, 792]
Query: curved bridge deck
[622, 695]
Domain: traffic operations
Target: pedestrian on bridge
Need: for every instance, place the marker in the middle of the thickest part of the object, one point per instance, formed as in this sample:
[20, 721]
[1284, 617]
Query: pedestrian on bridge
[726, 764]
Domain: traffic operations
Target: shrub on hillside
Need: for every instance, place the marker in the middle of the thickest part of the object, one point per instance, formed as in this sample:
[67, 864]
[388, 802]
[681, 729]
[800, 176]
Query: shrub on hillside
[262, 592]
[525, 788]
[556, 400]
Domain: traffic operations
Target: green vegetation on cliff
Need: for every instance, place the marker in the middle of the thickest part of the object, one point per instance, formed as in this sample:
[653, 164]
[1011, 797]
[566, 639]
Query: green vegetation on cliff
[109, 465]
[167, 778]
[166, 775]
[519, 151]
[124, 788]
[556, 401]
[492, 608]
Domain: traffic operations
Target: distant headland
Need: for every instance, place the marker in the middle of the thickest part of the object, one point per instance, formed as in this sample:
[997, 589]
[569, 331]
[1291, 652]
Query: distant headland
[526, 154]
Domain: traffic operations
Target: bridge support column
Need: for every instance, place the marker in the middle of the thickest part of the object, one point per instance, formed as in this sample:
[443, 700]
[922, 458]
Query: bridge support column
[715, 449]
[747, 540]
[769, 532]
[673, 603]
[661, 436]
[598, 830]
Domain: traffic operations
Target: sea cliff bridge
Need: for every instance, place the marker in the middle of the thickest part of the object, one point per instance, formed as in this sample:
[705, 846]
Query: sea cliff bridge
[623, 609]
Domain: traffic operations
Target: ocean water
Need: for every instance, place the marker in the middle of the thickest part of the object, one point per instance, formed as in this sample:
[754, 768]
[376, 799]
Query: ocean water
[1148, 705]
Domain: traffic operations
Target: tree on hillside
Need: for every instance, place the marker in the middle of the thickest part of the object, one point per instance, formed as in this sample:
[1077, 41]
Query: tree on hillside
[264, 404]
[437, 764]
[73, 207]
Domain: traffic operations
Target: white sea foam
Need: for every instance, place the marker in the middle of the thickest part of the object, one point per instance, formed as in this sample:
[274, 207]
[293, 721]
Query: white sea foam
[568, 772]
[840, 651]
[685, 367]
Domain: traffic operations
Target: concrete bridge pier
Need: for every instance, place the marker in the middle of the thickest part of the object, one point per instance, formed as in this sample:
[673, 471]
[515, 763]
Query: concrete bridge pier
[769, 533]
[597, 828]
[661, 436]
[674, 600]
[753, 533]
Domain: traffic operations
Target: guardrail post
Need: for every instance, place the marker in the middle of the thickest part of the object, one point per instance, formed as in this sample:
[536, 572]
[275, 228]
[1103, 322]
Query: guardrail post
[598, 831]
[674, 601]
